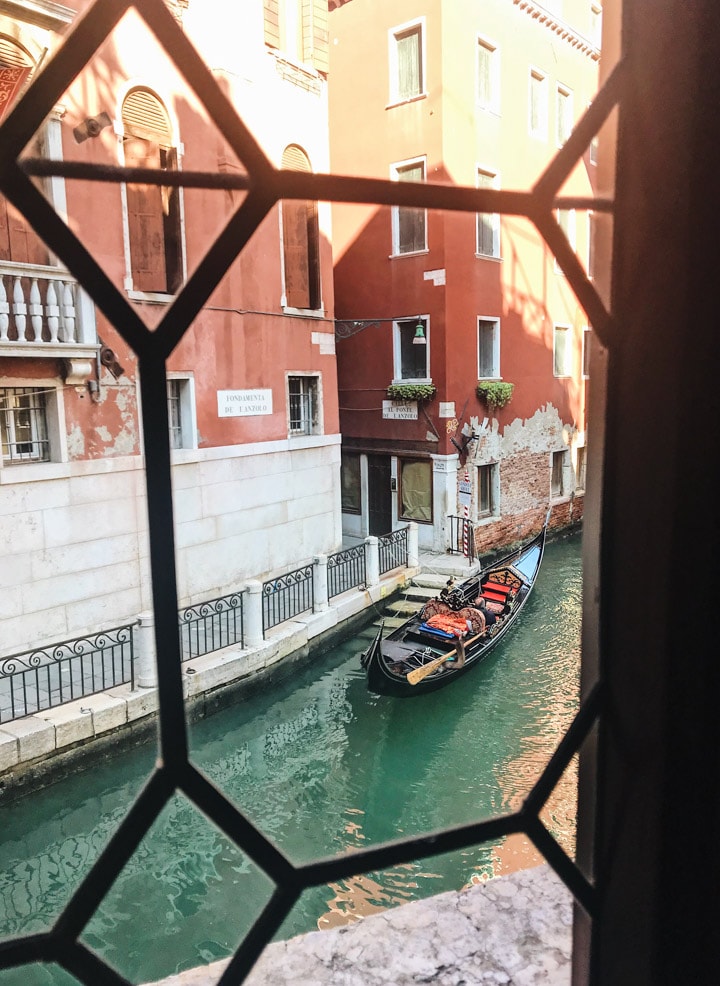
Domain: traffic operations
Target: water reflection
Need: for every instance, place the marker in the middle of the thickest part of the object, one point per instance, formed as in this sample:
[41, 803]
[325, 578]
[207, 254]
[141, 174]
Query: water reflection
[322, 767]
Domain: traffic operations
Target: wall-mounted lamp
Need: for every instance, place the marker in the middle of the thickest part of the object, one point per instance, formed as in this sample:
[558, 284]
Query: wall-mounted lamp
[346, 327]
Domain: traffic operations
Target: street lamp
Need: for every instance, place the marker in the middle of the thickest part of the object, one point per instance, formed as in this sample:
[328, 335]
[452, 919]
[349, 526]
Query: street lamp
[346, 327]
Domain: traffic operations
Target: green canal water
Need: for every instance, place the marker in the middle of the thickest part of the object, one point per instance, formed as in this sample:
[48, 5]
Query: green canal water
[322, 767]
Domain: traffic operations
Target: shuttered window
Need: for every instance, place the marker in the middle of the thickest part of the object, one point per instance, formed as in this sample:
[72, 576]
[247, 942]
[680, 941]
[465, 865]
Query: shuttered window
[153, 211]
[18, 241]
[299, 28]
[301, 242]
[409, 224]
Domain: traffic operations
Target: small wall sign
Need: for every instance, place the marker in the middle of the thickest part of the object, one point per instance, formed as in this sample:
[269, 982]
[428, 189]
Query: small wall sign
[404, 411]
[242, 403]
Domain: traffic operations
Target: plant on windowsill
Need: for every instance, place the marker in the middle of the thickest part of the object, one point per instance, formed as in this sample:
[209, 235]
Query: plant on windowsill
[495, 393]
[411, 392]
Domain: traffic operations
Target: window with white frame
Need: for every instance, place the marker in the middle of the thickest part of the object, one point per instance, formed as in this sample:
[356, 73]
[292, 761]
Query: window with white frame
[181, 411]
[303, 405]
[560, 474]
[411, 358]
[586, 342]
[488, 490]
[596, 23]
[567, 223]
[538, 105]
[488, 223]
[563, 114]
[488, 76]
[407, 62]
[301, 241]
[409, 225]
[562, 351]
[488, 348]
[591, 246]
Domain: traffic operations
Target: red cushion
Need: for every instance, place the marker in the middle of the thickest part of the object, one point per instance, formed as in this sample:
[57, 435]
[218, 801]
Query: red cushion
[497, 587]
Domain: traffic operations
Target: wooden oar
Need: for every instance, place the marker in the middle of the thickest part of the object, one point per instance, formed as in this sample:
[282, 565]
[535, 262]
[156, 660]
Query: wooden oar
[418, 674]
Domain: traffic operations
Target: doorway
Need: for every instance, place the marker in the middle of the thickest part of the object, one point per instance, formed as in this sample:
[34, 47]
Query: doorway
[379, 495]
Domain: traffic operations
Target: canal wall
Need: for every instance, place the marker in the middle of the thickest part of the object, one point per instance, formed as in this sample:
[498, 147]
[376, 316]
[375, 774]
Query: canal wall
[513, 929]
[43, 748]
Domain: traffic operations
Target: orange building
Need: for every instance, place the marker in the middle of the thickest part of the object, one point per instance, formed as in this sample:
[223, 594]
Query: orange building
[439, 310]
[251, 386]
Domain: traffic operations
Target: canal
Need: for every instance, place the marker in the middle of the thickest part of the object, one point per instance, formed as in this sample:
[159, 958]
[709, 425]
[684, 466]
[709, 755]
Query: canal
[323, 767]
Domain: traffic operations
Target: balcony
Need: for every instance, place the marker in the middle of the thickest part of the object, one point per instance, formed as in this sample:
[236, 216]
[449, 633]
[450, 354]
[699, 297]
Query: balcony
[44, 312]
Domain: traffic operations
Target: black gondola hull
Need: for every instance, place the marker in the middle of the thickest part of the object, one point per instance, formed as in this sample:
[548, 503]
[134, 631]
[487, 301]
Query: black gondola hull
[411, 661]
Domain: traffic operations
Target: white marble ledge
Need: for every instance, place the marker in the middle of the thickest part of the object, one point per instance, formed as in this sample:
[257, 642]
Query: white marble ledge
[516, 929]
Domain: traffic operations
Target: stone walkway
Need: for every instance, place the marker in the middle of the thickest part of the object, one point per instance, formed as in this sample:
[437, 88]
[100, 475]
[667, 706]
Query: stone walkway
[512, 931]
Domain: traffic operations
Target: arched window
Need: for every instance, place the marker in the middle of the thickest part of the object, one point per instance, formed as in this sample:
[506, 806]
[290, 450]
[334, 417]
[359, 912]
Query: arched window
[301, 241]
[18, 241]
[153, 211]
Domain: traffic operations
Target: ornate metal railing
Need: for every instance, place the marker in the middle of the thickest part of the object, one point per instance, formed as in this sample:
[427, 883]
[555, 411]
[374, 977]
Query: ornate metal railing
[43, 678]
[41, 307]
[346, 570]
[461, 537]
[287, 596]
[393, 550]
[211, 625]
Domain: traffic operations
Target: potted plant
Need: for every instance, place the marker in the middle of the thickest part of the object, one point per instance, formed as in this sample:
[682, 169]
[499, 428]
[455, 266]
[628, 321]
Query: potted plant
[410, 392]
[495, 393]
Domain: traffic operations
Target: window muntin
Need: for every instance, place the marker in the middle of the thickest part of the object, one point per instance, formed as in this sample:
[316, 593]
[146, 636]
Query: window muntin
[350, 483]
[24, 425]
[416, 490]
[538, 105]
[488, 223]
[301, 242]
[488, 76]
[303, 406]
[411, 360]
[154, 230]
[562, 351]
[488, 490]
[488, 348]
[563, 114]
[596, 23]
[407, 68]
[409, 225]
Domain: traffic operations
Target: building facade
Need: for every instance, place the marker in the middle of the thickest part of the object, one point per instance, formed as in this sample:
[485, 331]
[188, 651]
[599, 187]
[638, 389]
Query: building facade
[251, 386]
[462, 351]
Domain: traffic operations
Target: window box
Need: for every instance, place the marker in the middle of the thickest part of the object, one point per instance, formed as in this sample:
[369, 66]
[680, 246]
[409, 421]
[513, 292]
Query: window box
[411, 392]
[496, 393]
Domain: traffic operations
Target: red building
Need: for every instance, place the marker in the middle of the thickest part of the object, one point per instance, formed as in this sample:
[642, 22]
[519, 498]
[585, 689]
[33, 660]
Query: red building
[251, 386]
[435, 303]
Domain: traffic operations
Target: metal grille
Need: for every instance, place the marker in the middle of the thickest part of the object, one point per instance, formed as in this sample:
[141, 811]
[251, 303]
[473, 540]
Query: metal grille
[346, 570]
[302, 399]
[174, 771]
[23, 425]
[211, 625]
[287, 596]
[44, 678]
[393, 550]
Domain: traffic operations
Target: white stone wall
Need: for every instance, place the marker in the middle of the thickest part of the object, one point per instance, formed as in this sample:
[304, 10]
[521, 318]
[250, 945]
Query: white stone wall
[74, 548]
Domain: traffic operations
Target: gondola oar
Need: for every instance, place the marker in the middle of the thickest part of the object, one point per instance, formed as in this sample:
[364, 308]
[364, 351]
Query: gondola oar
[418, 674]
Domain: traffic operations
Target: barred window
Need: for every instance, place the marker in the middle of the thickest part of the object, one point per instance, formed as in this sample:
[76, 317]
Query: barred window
[303, 405]
[23, 425]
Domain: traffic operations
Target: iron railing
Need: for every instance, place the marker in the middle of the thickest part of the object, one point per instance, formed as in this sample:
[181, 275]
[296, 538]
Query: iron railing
[462, 537]
[44, 678]
[212, 625]
[287, 596]
[393, 550]
[346, 570]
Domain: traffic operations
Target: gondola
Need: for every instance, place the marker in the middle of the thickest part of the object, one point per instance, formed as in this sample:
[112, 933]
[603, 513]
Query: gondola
[454, 631]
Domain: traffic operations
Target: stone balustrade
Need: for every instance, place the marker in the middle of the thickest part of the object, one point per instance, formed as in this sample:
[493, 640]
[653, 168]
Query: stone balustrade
[43, 309]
